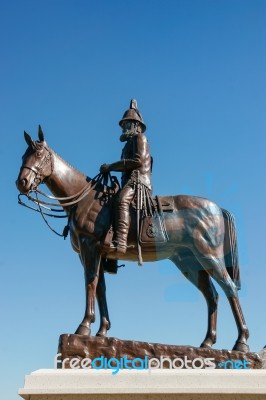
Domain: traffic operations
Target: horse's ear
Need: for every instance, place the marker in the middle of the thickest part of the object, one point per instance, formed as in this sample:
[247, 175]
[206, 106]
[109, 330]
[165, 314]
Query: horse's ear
[40, 134]
[28, 139]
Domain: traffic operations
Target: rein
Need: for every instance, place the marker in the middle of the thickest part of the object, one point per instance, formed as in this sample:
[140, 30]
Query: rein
[101, 177]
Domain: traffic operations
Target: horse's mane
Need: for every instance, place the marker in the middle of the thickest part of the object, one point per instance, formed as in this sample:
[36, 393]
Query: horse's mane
[66, 162]
[39, 145]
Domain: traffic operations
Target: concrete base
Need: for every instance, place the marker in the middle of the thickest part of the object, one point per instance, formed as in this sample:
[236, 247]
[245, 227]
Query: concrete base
[182, 384]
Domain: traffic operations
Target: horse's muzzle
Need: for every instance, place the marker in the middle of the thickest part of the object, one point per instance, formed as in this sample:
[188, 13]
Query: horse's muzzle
[22, 185]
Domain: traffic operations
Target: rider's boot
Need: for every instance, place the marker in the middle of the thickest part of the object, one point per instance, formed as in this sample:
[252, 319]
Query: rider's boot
[122, 226]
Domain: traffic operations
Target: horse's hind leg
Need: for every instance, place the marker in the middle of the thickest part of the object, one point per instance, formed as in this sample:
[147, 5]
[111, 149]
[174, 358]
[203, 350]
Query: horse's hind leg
[194, 272]
[243, 333]
[211, 296]
[216, 268]
[101, 298]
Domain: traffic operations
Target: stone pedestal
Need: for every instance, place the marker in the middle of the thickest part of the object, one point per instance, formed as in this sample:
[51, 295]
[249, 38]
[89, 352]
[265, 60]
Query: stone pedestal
[144, 385]
[78, 347]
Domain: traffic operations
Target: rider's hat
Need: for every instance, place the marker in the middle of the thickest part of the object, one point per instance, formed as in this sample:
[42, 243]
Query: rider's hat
[133, 114]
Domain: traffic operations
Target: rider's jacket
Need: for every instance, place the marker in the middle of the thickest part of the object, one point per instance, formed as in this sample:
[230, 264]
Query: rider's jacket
[136, 161]
[136, 157]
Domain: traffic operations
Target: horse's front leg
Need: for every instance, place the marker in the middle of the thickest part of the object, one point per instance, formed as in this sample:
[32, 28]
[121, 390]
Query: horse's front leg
[105, 323]
[91, 261]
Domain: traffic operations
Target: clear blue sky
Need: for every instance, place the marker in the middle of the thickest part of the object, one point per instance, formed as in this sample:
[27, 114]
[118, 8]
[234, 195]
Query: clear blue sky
[197, 69]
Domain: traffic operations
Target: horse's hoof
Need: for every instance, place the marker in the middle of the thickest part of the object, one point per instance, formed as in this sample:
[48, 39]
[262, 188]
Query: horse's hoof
[206, 344]
[105, 326]
[83, 330]
[240, 346]
[101, 333]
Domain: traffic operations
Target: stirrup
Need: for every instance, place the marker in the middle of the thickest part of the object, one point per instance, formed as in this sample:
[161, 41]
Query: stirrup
[121, 249]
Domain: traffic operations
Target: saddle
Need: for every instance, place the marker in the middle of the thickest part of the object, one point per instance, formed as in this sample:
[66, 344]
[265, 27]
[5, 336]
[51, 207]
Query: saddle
[149, 227]
[151, 221]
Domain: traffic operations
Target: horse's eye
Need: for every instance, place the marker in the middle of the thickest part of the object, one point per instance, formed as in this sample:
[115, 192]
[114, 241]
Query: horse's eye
[38, 153]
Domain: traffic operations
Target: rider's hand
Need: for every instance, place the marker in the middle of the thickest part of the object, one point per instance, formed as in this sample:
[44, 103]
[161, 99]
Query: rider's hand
[104, 168]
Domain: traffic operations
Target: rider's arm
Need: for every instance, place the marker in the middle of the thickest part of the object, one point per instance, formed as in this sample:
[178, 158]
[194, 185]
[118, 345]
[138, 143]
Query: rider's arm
[140, 153]
[124, 165]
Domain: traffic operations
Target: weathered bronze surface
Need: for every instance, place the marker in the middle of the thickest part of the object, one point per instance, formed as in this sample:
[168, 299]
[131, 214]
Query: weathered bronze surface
[199, 236]
[81, 347]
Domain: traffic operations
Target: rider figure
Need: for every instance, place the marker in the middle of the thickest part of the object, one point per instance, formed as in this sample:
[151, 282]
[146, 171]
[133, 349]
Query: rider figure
[135, 165]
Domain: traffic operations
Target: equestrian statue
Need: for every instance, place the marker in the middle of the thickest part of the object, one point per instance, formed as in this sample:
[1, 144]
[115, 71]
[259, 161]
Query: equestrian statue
[108, 223]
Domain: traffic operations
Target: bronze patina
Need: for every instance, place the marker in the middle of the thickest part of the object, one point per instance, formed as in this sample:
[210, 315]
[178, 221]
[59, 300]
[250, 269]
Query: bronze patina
[194, 233]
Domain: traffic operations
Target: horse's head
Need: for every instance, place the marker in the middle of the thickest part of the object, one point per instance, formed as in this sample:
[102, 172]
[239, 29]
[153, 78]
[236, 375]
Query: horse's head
[36, 163]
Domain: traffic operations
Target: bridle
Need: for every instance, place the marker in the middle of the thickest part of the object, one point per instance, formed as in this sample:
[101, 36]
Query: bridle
[39, 168]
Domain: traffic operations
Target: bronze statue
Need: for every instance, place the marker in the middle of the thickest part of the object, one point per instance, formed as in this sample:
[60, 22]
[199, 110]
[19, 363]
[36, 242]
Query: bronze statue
[135, 165]
[198, 236]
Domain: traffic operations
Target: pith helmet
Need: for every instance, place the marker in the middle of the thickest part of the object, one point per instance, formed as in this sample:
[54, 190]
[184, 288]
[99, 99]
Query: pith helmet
[133, 114]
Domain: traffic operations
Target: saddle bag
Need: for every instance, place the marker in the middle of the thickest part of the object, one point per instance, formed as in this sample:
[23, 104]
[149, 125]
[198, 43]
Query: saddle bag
[153, 230]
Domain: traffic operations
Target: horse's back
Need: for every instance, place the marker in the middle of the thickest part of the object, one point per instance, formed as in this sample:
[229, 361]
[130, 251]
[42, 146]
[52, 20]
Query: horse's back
[195, 223]
[185, 202]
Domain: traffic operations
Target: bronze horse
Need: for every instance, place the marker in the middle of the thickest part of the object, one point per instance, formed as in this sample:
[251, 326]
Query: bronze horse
[201, 238]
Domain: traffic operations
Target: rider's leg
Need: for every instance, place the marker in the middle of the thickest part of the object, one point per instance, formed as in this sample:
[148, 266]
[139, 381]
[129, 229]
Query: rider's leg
[123, 218]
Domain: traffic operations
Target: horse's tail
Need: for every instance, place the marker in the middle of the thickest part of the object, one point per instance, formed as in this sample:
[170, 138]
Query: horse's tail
[230, 248]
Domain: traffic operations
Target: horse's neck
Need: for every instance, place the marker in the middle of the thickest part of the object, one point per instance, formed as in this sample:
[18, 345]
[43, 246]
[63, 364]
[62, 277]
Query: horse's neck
[65, 180]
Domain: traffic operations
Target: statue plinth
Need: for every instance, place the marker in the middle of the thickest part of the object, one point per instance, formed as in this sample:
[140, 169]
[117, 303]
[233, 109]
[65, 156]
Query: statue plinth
[66, 384]
[78, 347]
